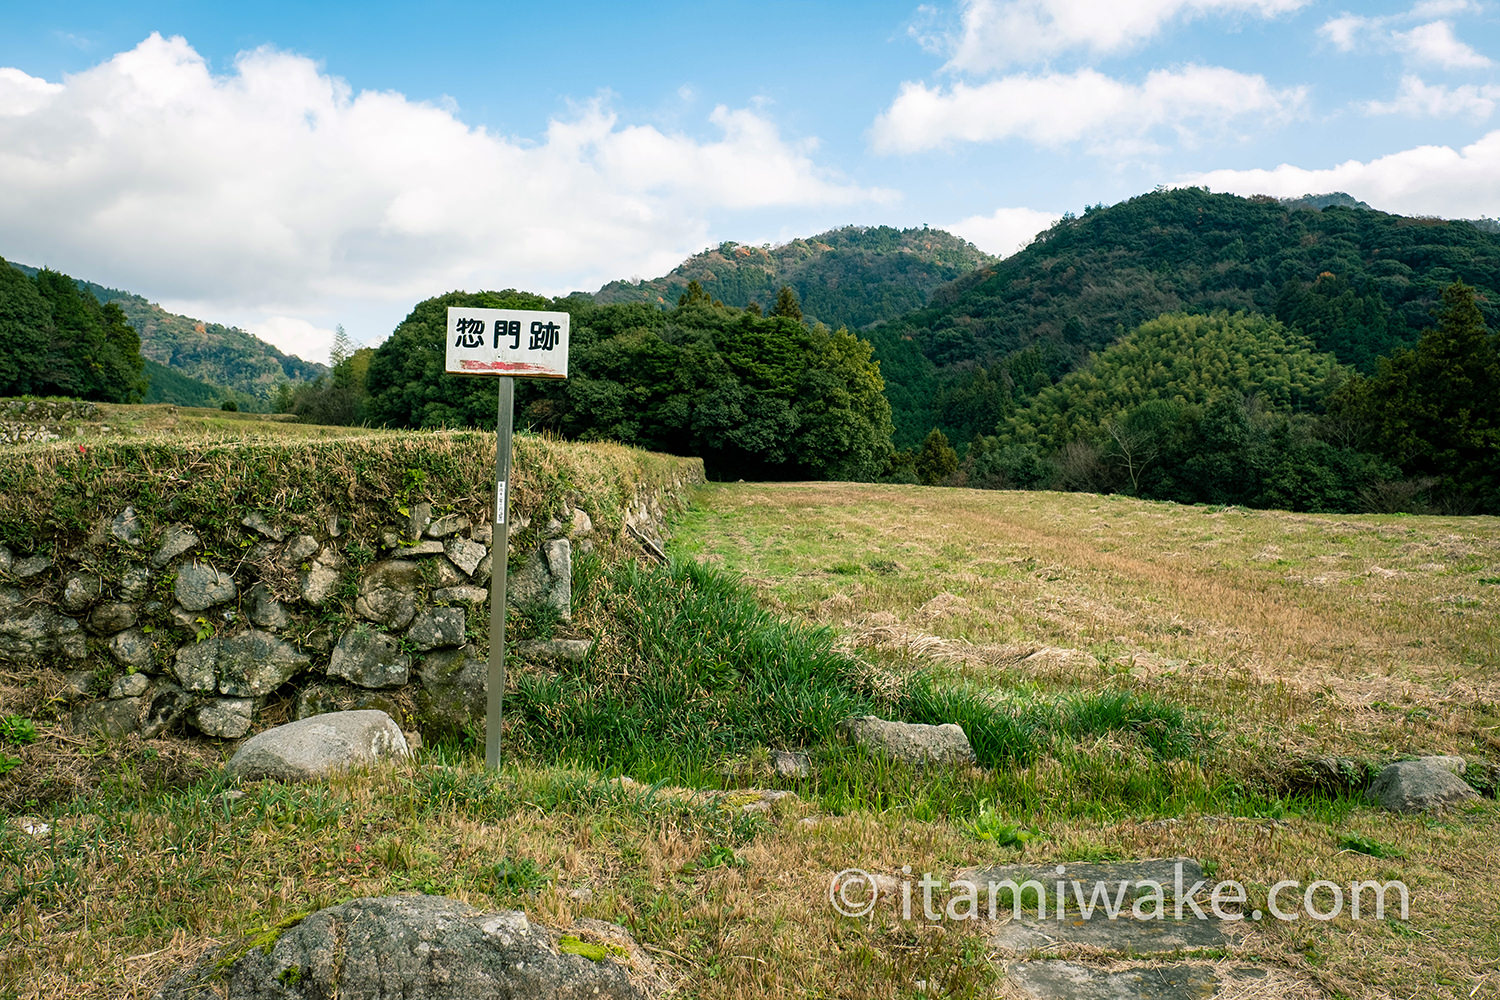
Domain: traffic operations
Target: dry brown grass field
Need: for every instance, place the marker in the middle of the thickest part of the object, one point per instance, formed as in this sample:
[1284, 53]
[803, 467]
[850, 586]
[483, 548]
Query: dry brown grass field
[1284, 636]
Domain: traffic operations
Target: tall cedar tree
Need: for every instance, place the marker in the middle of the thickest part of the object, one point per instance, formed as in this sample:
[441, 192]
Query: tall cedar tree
[1435, 410]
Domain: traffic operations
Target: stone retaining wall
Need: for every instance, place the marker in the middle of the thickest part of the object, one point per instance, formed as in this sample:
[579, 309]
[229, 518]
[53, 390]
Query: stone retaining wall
[150, 631]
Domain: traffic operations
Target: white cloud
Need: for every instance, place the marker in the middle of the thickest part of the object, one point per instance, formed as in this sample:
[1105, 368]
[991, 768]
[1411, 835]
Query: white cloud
[293, 335]
[1005, 231]
[1058, 109]
[1423, 100]
[21, 94]
[1432, 42]
[1426, 180]
[1435, 43]
[275, 190]
[999, 33]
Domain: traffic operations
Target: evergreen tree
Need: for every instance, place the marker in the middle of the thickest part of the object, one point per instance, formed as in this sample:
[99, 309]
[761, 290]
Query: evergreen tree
[787, 304]
[1436, 409]
[936, 461]
[25, 334]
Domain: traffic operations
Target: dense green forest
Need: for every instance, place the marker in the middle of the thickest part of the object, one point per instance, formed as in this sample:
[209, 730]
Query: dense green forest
[1360, 283]
[58, 340]
[1242, 409]
[849, 277]
[757, 396]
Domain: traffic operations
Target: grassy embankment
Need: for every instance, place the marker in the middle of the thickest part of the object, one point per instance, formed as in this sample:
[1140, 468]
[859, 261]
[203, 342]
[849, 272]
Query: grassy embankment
[1204, 664]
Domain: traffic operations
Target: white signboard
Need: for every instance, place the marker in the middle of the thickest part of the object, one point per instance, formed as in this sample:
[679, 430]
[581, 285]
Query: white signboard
[525, 343]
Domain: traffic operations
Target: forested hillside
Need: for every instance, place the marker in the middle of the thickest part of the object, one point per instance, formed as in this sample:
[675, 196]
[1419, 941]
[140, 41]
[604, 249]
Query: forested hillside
[219, 356]
[848, 277]
[58, 340]
[756, 396]
[1360, 283]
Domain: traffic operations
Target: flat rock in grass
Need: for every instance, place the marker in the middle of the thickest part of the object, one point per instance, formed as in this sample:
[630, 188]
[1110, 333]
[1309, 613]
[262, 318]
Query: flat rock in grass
[1058, 980]
[110, 717]
[1175, 876]
[25, 569]
[462, 595]
[256, 522]
[315, 747]
[422, 948]
[1420, 785]
[1124, 934]
[300, 548]
[912, 741]
[555, 650]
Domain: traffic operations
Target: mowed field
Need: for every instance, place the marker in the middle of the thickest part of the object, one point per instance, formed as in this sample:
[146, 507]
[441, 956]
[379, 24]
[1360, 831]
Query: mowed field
[1304, 633]
[1291, 636]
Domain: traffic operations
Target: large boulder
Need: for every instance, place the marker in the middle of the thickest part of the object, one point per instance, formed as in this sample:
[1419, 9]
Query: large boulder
[912, 741]
[314, 747]
[1419, 785]
[422, 948]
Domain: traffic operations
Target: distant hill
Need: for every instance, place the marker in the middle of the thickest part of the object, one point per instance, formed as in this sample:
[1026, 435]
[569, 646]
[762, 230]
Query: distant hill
[205, 354]
[1358, 281]
[1318, 202]
[848, 277]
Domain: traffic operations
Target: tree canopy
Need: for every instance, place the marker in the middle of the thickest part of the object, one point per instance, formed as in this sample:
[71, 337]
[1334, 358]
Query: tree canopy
[57, 340]
[756, 396]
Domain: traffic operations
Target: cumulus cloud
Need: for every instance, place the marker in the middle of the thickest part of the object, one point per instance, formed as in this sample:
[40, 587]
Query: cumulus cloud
[1058, 109]
[1432, 42]
[1426, 180]
[1423, 100]
[1436, 43]
[276, 187]
[1005, 231]
[999, 33]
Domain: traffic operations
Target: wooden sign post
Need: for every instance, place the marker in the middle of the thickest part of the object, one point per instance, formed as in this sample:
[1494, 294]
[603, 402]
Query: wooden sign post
[510, 343]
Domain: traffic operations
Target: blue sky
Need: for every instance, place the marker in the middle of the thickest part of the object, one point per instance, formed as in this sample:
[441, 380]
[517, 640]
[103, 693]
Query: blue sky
[286, 167]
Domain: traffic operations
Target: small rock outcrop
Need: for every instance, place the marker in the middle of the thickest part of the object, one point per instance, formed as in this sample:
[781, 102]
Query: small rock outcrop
[317, 746]
[913, 741]
[1419, 785]
[425, 947]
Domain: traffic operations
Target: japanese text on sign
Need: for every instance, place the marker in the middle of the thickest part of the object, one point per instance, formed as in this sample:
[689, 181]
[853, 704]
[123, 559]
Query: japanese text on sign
[519, 342]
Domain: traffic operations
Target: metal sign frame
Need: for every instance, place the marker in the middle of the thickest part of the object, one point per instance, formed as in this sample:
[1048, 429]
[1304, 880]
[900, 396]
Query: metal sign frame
[490, 342]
